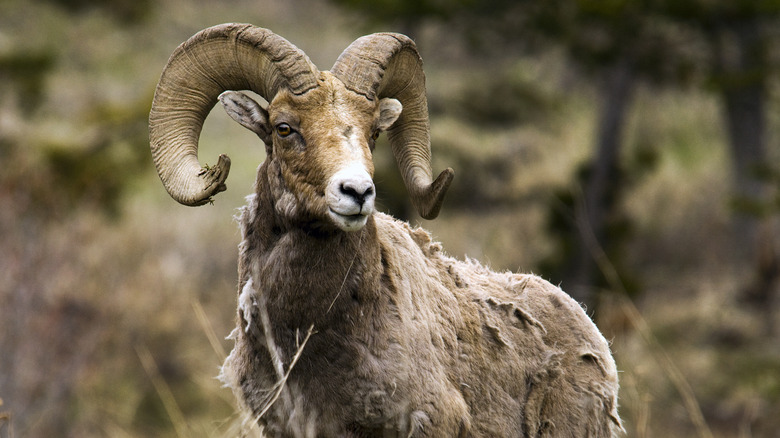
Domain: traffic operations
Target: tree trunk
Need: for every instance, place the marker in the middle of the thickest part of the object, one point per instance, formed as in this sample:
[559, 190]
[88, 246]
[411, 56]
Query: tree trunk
[598, 199]
[741, 66]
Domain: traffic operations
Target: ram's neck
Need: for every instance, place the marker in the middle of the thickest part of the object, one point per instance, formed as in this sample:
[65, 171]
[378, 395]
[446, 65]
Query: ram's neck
[307, 277]
[320, 275]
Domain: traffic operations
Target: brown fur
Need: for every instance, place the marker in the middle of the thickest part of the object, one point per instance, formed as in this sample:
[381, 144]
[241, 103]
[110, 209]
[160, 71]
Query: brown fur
[406, 340]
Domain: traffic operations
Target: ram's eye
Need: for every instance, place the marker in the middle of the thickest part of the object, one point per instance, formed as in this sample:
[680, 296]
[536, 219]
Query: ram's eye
[283, 129]
[375, 135]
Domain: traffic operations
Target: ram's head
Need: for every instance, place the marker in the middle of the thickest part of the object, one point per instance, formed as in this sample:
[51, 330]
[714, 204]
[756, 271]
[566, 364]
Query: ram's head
[319, 127]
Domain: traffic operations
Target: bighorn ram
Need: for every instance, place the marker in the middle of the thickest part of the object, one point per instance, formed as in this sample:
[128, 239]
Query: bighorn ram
[400, 339]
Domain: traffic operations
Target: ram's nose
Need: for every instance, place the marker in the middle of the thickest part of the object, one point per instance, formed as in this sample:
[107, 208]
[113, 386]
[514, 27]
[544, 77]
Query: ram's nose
[350, 197]
[361, 190]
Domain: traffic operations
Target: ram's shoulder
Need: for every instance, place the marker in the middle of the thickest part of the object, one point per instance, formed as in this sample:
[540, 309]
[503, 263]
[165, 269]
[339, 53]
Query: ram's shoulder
[400, 234]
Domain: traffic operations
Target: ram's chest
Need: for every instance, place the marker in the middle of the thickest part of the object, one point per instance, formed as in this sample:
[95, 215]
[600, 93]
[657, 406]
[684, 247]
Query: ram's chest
[367, 378]
[358, 356]
[346, 306]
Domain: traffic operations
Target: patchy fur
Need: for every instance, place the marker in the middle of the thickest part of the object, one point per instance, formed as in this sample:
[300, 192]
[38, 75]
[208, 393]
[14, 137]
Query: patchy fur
[411, 342]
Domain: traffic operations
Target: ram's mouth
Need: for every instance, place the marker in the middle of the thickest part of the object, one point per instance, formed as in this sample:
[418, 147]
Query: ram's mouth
[356, 216]
[349, 222]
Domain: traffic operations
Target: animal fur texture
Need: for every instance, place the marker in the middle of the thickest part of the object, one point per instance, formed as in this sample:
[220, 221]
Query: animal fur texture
[409, 341]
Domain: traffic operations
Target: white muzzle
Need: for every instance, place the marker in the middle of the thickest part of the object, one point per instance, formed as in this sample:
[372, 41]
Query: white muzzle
[350, 196]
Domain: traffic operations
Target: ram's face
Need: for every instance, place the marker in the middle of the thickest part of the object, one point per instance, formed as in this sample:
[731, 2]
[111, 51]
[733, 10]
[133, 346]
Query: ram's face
[320, 149]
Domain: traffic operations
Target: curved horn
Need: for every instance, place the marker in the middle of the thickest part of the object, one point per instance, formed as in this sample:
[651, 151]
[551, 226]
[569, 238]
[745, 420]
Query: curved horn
[225, 57]
[388, 65]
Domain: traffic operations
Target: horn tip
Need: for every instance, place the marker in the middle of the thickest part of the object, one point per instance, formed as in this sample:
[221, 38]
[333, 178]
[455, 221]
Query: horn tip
[213, 181]
[430, 203]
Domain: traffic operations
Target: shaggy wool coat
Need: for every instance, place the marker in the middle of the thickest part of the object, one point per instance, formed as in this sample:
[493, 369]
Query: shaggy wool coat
[408, 341]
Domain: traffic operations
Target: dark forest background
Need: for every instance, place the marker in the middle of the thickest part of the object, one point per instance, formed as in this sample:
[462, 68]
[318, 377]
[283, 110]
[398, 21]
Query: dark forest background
[624, 149]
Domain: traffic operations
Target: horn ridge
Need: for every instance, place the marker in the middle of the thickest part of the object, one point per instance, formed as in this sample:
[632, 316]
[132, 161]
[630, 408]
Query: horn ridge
[229, 56]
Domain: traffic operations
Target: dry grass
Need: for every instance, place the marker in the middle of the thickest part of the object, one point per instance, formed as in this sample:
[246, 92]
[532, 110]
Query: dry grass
[115, 326]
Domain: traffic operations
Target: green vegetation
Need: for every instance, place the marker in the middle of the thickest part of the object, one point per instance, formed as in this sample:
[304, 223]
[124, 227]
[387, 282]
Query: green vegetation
[115, 301]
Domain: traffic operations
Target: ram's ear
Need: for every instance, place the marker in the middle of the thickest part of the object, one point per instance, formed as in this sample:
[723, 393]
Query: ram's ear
[389, 110]
[248, 113]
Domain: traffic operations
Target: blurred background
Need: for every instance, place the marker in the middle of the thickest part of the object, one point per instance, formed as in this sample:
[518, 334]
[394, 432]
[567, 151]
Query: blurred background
[624, 149]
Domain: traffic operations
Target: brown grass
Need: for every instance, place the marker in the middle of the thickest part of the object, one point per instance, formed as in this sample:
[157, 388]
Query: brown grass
[115, 325]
